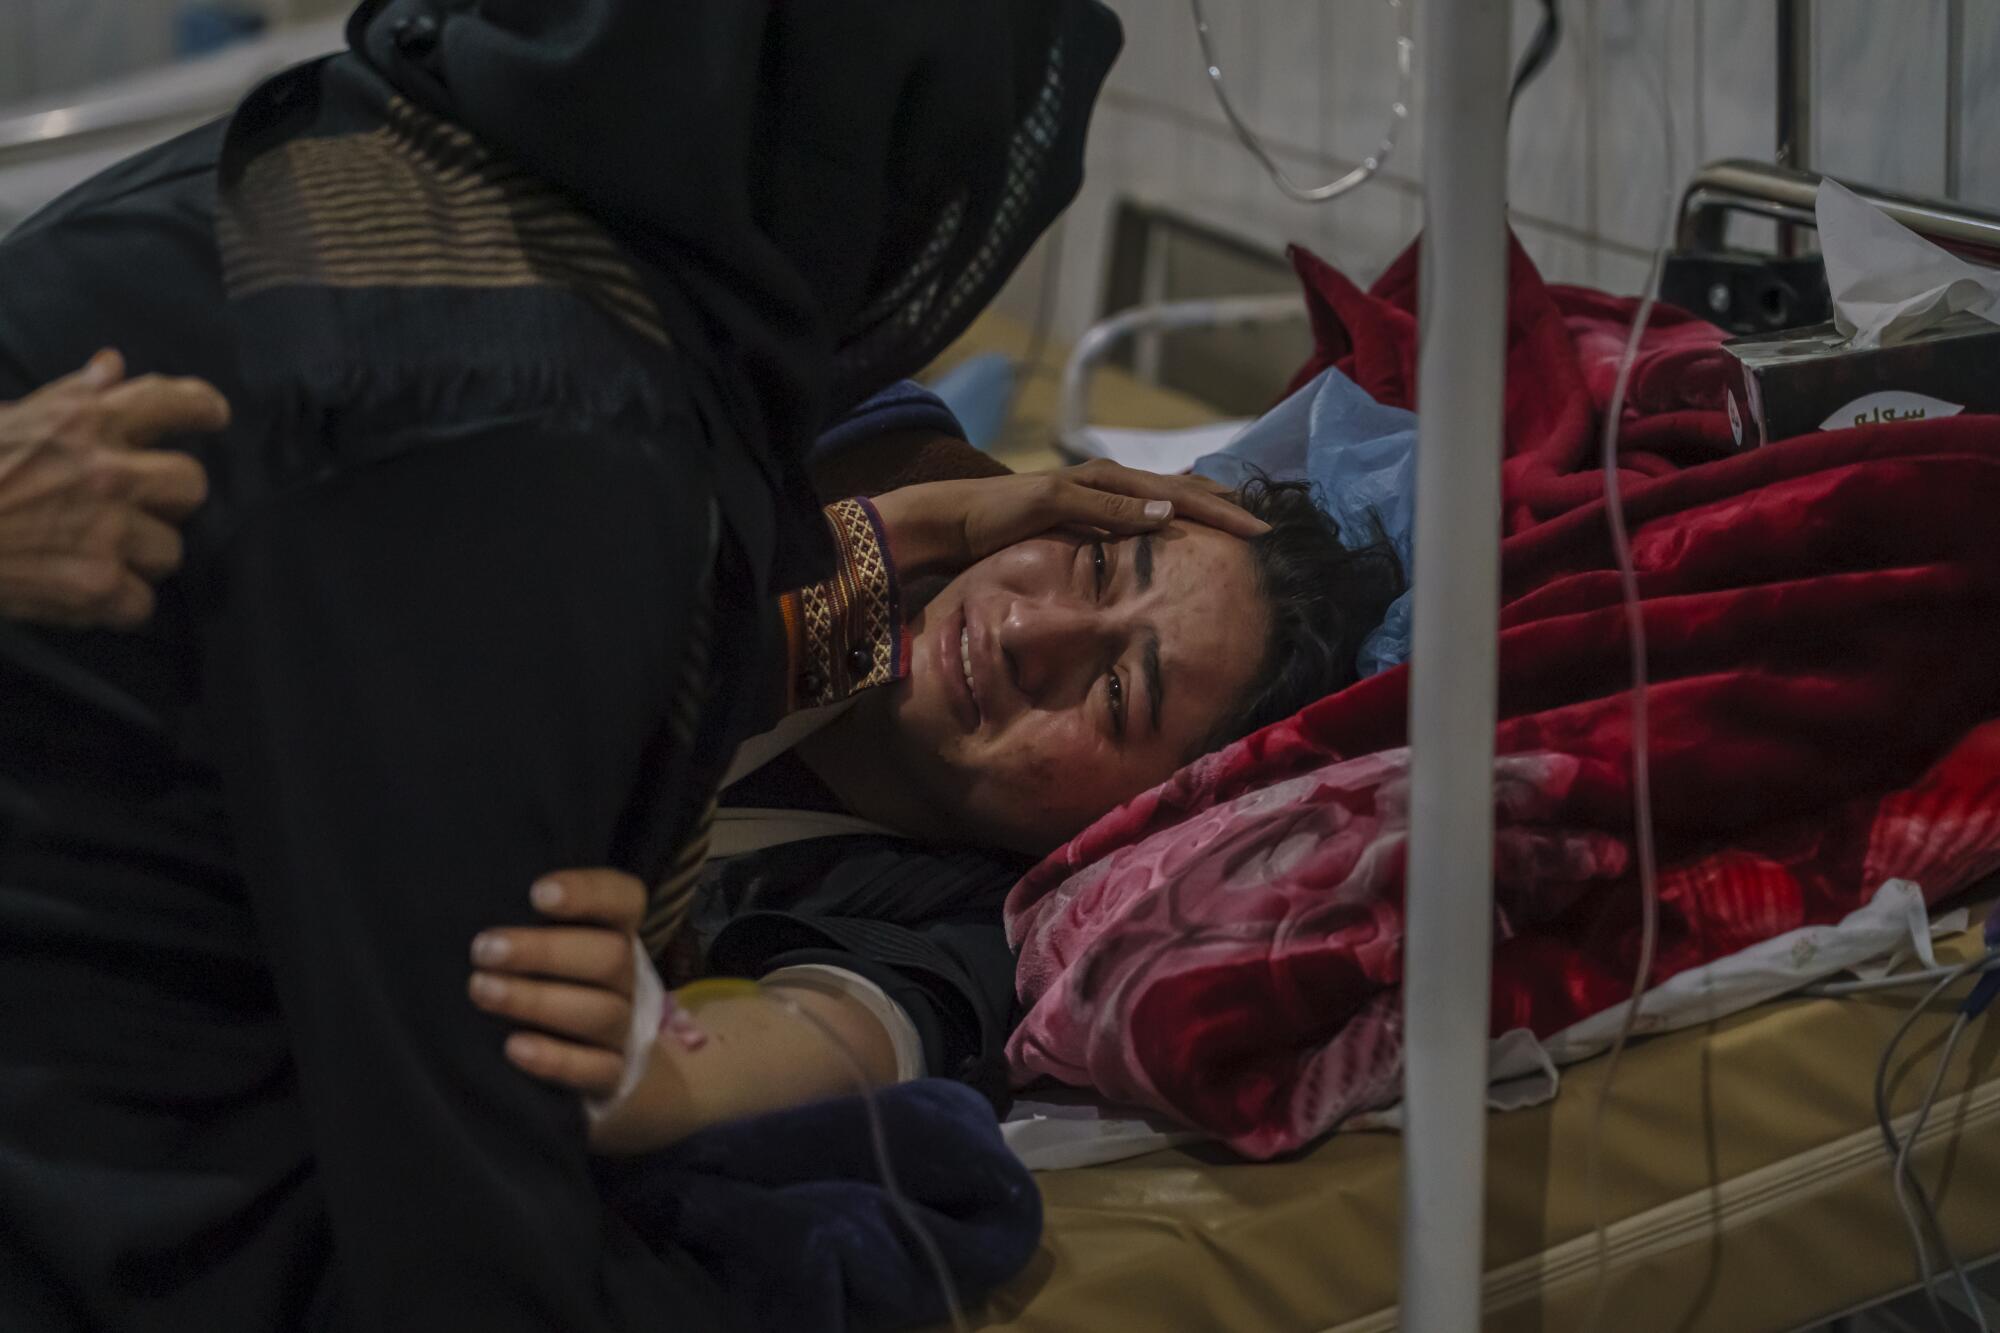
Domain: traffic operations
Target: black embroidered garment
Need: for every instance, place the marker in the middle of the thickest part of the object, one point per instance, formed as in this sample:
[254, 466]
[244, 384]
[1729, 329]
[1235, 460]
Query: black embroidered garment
[527, 311]
[920, 920]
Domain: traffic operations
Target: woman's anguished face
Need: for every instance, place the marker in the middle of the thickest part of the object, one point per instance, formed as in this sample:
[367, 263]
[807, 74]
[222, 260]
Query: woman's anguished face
[1064, 675]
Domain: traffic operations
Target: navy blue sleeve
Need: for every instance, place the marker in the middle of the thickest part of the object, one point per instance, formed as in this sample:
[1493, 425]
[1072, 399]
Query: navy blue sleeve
[922, 922]
[901, 407]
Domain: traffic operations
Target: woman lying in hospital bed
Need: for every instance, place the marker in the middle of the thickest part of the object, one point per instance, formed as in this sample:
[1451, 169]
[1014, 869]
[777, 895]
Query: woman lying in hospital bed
[975, 685]
[860, 863]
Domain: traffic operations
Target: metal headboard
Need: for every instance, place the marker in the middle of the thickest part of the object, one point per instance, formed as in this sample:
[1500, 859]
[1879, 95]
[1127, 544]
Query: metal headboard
[1735, 185]
[1740, 185]
[1099, 339]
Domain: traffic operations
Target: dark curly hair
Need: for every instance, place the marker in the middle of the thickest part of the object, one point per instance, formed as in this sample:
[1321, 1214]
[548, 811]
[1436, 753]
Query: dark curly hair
[1324, 597]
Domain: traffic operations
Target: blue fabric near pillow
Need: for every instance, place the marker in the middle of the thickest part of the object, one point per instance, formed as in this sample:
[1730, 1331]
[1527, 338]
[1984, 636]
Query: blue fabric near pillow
[1363, 458]
[787, 1211]
[980, 393]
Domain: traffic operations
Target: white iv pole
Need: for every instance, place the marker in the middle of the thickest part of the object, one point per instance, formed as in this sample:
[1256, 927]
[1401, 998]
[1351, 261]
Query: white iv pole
[1448, 937]
[1464, 50]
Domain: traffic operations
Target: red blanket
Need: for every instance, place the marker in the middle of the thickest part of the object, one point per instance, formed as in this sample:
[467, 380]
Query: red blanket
[1824, 617]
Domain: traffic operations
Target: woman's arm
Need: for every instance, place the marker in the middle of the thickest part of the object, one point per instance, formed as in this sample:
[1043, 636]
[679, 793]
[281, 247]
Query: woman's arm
[750, 1049]
[745, 1055]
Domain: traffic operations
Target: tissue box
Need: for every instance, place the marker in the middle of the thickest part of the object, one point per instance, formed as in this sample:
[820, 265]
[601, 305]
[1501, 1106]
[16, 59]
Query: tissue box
[1803, 380]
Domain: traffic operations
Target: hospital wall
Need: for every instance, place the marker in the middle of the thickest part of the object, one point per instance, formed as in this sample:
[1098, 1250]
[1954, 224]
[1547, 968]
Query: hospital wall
[1907, 97]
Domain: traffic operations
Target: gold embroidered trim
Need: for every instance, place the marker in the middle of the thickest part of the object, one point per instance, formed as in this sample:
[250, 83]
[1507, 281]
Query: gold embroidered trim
[850, 623]
[416, 203]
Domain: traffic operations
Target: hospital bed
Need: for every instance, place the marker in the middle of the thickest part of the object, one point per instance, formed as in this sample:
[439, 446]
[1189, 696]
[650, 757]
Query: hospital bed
[1743, 1179]
[1744, 1182]
[1745, 1187]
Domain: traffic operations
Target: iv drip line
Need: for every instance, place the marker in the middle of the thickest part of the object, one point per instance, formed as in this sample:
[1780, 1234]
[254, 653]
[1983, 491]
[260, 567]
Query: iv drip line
[1399, 113]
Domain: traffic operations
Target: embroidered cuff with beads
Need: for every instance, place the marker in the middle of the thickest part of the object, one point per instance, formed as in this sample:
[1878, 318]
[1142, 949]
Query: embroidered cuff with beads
[846, 634]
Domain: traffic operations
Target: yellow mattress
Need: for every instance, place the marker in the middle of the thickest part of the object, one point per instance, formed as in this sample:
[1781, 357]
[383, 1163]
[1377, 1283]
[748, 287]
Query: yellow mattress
[1744, 1178]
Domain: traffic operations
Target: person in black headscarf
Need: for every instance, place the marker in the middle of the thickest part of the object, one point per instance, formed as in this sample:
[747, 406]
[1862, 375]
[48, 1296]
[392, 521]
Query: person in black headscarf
[526, 311]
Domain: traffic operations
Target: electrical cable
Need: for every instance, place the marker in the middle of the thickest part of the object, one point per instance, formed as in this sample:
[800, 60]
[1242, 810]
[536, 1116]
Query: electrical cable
[1541, 49]
[1642, 781]
[1899, 1149]
[1906, 1180]
[1399, 113]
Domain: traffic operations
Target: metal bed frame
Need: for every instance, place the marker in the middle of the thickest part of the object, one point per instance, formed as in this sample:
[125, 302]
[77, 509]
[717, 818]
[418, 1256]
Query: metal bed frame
[1453, 670]
[1716, 192]
[1785, 195]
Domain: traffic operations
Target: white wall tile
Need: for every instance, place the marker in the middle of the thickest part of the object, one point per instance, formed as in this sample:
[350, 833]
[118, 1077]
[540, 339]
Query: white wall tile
[1559, 258]
[1879, 85]
[1646, 68]
[1130, 154]
[1221, 184]
[1274, 218]
[1979, 105]
[1161, 61]
[1136, 151]
[1141, 67]
[1362, 233]
[1283, 42]
[1358, 83]
[1620, 273]
[1079, 243]
[1737, 112]
[1549, 142]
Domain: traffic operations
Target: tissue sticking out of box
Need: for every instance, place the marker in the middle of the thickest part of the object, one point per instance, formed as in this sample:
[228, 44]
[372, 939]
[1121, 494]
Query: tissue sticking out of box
[1915, 336]
[1888, 283]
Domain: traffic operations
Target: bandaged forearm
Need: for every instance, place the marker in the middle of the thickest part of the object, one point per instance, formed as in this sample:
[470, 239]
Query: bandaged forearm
[858, 990]
[723, 1050]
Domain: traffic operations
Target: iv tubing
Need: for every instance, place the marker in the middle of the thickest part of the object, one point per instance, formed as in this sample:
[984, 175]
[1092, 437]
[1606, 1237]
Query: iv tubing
[1399, 112]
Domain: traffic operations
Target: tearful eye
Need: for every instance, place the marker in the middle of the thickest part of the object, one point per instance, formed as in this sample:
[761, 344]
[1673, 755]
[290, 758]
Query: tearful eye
[1114, 693]
[1098, 567]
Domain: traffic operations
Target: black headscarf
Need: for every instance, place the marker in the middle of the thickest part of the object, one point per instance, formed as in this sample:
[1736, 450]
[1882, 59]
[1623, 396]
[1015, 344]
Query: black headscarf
[832, 188]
